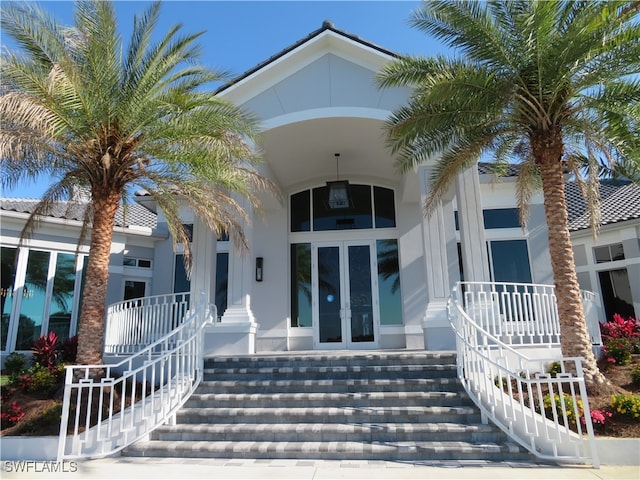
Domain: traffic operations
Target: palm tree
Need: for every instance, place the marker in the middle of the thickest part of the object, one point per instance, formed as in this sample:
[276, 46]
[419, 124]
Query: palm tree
[550, 85]
[94, 114]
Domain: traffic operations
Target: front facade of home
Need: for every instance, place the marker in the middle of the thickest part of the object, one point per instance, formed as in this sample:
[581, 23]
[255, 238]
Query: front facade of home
[324, 271]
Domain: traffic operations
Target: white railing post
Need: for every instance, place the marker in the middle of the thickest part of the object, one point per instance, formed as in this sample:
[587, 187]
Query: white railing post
[548, 414]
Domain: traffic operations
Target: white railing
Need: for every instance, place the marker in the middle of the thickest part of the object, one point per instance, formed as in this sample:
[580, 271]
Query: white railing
[107, 407]
[523, 313]
[133, 324]
[541, 403]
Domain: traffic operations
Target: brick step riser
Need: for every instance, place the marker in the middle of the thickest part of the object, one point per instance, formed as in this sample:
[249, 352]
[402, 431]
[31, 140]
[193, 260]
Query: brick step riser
[328, 402]
[401, 454]
[438, 385]
[344, 417]
[324, 436]
[211, 376]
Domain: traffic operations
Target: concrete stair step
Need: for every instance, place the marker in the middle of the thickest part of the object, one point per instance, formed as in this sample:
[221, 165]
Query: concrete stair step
[335, 372]
[332, 432]
[339, 359]
[402, 414]
[325, 399]
[331, 385]
[423, 451]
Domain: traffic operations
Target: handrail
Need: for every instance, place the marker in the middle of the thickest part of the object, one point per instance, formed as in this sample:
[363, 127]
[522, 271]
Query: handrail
[546, 413]
[133, 324]
[145, 390]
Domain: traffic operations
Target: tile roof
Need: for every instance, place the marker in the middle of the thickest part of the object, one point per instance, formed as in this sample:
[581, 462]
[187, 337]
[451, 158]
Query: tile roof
[136, 215]
[620, 201]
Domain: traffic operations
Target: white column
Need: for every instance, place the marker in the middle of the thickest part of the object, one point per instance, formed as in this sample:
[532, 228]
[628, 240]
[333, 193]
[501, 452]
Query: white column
[203, 270]
[437, 330]
[475, 260]
[235, 333]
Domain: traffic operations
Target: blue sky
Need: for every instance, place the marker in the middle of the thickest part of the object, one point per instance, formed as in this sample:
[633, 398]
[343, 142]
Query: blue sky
[241, 34]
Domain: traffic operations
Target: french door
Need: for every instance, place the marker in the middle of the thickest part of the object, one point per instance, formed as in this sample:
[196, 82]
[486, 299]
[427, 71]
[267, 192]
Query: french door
[345, 300]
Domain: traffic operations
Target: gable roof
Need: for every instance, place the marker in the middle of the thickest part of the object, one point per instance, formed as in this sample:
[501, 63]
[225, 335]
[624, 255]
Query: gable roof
[136, 215]
[327, 26]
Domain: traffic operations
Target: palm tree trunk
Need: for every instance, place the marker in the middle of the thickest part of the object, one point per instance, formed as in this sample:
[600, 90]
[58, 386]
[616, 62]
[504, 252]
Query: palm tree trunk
[91, 331]
[574, 336]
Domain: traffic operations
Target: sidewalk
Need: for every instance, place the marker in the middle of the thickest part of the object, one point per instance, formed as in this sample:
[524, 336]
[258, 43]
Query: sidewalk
[230, 469]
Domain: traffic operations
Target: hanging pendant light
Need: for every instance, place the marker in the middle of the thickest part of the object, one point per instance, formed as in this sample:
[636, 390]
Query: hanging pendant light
[338, 190]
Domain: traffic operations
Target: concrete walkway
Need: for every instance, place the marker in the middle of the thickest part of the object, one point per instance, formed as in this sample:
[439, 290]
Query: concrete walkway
[230, 469]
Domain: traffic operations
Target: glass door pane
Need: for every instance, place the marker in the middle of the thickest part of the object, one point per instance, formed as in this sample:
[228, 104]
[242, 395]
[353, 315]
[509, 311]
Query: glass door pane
[329, 299]
[360, 293]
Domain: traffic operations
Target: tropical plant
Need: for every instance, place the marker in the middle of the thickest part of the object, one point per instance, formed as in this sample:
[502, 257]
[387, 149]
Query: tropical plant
[549, 85]
[102, 117]
[46, 351]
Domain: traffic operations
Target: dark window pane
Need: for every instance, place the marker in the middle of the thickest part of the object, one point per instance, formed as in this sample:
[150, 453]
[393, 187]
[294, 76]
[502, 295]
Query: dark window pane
[501, 218]
[602, 254]
[144, 263]
[456, 220]
[181, 282]
[7, 278]
[61, 306]
[222, 282]
[616, 293]
[389, 282]
[357, 216]
[129, 262]
[329, 291]
[189, 229]
[385, 207]
[301, 211]
[301, 285]
[33, 299]
[134, 289]
[510, 261]
[617, 252]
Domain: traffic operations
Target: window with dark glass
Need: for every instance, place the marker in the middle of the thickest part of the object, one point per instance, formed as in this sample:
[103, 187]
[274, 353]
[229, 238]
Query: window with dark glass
[33, 299]
[609, 253]
[389, 282]
[301, 211]
[222, 282]
[357, 216]
[181, 282]
[370, 207]
[61, 305]
[301, 285]
[616, 293]
[496, 218]
[134, 289]
[510, 261]
[385, 208]
[7, 257]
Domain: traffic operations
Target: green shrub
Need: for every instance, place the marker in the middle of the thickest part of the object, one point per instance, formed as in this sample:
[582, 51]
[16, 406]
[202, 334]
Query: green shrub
[635, 375]
[42, 379]
[568, 405]
[626, 404]
[618, 351]
[15, 364]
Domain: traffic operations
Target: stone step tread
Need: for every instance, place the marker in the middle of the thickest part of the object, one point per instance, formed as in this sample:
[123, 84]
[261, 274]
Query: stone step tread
[329, 427]
[329, 382]
[326, 396]
[332, 357]
[328, 411]
[330, 369]
[248, 447]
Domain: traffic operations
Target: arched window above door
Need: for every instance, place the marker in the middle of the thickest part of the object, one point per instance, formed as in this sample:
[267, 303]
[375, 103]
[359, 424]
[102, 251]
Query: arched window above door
[371, 207]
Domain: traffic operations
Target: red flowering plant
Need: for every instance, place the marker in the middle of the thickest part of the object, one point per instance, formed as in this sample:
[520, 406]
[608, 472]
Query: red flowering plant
[620, 338]
[598, 418]
[11, 412]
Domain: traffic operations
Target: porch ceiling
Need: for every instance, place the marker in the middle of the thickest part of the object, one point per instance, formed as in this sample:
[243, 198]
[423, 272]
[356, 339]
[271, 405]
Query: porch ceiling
[302, 153]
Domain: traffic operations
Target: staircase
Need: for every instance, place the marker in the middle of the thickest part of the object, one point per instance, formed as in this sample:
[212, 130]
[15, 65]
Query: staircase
[399, 405]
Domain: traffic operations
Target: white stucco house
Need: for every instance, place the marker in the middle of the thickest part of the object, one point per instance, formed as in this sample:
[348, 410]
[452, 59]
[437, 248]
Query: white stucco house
[324, 271]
